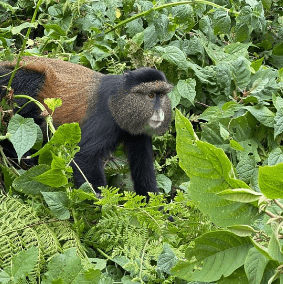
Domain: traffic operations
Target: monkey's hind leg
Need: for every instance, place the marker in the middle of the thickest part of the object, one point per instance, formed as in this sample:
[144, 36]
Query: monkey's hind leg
[140, 156]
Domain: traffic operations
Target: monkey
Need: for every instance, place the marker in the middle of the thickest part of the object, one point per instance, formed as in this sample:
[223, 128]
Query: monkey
[128, 108]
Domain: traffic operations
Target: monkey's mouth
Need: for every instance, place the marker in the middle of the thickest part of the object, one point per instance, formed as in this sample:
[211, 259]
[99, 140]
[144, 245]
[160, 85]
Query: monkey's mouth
[154, 123]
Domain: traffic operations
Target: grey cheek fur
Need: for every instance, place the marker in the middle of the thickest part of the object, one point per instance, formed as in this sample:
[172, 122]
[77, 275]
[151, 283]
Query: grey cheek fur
[137, 116]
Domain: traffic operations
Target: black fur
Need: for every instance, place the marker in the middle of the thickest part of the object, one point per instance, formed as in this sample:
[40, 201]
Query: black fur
[108, 135]
[143, 75]
[100, 132]
[28, 83]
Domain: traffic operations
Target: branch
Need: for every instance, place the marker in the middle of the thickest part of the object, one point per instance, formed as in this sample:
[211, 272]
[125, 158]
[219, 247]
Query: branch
[168, 5]
[23, 46]
[48, 118]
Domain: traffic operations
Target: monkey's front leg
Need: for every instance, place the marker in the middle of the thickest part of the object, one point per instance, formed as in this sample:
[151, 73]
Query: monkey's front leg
[140, 156]
[92, 168]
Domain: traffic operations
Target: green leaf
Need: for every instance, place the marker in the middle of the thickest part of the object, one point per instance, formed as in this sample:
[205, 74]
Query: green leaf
[237, 277]
[270, 181]
[223, 132]
[259, 85]
[211, 113]
[205, 25]
[278, 126]
[210, 172]
[275, 157]
[243, 195]
[167, 259]
[79, 195]
[256, 64]
[161, 26]
[55, 10]
[221, 22]
[174, 97]
[266, 3]
[215, 254]
[69, 268]
[242, 32]
[184, 15]
[246, 167]
[4, 277]
[164, 182]
[39, 139]
[53, 178]
[23, 134]
[99, 263]
[186, 88]
[56, 29]
[274, 245]
[242, 230]
[134, 27]
[235, 145]
[278, 49]
[67, 135]
[174, 55]
[27, 184]
[58, 203]
[17, 29]
[150, 37]
[8, 174]
[262, 114]
[187, 128]
[57, 162]
[22, 264]
[255, 264]
[241, 72]
[53, 103]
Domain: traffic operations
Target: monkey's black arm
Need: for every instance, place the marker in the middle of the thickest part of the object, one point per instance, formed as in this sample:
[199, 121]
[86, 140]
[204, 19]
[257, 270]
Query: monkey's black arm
[140, 156]
[99, 137]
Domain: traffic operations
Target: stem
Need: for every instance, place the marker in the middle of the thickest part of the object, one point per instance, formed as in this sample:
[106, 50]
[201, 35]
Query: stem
[73, 161]
[104, 254]
[142, 258]
[3, 157]
[168, 5]
[270, 214]
[278, 204]
[23, 45]
[6, 162]
[48, 118]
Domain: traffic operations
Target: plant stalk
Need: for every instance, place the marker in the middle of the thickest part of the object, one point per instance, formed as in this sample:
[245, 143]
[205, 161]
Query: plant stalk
[48, 118]
[168, 5]
[23, 46]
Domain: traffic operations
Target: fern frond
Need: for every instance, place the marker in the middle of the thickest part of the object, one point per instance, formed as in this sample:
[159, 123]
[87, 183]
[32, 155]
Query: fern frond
[21, 228]
[133, 233]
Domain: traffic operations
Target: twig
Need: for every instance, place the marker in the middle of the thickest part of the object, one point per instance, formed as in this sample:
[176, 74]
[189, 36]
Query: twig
[168, 5]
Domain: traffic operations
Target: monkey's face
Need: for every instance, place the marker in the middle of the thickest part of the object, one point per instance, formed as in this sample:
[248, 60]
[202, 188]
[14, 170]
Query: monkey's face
[145, 109]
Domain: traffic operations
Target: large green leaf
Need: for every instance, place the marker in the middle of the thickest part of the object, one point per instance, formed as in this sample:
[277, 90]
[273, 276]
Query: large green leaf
[68, 268]
[28, 185]
[255, 264]
[271, 181]
[210, 172]
[215, 254]
[23, 134]
[58, 203]
[21, 265]
[174, 55]
[262, 114]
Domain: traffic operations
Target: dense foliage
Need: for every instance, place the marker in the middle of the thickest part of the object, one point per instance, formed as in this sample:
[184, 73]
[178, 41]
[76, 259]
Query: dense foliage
[219, 165]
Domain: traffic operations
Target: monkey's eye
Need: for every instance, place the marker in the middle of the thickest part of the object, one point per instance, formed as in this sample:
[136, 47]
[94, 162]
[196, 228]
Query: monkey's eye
[151, 96]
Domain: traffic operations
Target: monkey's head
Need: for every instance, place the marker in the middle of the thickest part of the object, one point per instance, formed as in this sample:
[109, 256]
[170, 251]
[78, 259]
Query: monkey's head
[142, 106]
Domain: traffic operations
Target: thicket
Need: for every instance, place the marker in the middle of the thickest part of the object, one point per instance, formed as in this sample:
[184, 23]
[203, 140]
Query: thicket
[219, 166]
